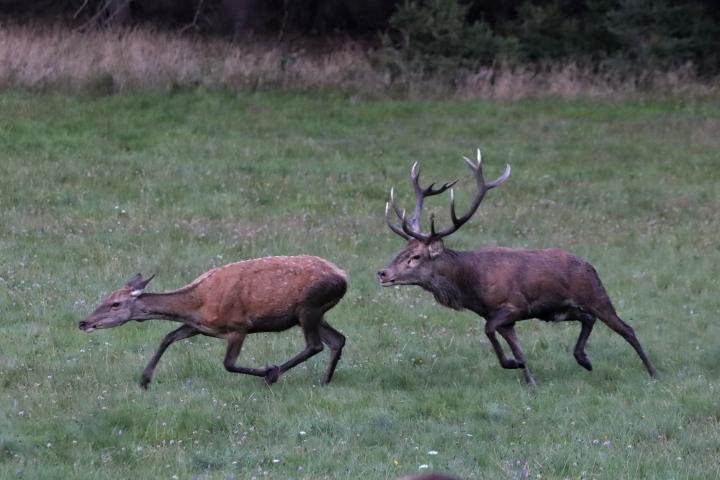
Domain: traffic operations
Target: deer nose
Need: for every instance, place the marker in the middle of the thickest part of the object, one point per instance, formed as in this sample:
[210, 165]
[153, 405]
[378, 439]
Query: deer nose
[82, 325]
[382, 275]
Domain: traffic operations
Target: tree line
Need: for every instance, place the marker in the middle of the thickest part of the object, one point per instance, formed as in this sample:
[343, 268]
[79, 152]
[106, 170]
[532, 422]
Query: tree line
[431, 35]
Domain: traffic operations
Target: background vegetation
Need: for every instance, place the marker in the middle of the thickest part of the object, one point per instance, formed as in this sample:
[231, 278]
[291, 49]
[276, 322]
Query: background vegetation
[95, 188]
[629, 37]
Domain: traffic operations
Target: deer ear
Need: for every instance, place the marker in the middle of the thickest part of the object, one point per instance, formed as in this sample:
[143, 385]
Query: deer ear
[138, 284]
[134, 281]
[435, 248]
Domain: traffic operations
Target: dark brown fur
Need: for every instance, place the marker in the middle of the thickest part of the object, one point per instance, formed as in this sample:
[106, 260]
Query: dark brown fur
[506, 285]
[503, 285]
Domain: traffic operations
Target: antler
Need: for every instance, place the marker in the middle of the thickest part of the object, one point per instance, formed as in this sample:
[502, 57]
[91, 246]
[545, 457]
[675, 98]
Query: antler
[411, 228]
[482, 190]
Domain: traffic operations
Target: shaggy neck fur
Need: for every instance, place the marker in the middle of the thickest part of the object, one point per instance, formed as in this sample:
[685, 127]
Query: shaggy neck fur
[445, 283]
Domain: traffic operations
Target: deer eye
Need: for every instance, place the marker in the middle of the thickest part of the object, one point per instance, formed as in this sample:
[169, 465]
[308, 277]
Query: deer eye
[115, 305]
[415, 257]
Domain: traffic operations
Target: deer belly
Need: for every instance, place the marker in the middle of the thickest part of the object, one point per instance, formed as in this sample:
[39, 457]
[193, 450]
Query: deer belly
[273, 323]
[551, 314]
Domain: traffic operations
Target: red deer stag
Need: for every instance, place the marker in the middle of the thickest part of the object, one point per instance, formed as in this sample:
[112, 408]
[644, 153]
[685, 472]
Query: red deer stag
[268, 294]
[503, 285]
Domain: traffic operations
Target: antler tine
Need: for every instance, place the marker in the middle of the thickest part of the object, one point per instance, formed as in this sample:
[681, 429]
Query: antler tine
[453, 215]
[405, 230]
[421, 193]
[394, 205]
[392, 226]
[501, 179]
[471, 163]
[482, 189]
[409, 230]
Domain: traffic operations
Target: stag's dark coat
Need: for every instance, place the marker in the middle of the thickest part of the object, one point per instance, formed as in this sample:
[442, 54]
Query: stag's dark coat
[503, 285]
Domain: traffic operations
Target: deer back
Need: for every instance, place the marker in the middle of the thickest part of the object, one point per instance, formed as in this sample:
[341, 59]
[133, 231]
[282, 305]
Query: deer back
[270, 287]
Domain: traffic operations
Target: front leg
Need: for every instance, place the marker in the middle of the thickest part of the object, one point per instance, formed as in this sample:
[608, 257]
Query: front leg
[498, 319]
[508, 333]
[185, 331]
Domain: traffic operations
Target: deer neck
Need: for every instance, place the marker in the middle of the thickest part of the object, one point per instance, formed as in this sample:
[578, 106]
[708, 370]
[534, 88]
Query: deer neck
[448, 280]
[175, 306]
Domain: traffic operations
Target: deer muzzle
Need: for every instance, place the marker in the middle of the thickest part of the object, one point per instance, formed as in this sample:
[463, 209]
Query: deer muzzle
[384, 279]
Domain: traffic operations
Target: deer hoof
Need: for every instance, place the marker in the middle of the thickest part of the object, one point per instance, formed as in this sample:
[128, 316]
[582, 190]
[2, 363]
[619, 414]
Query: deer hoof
[144, 382]
[272, 374]
[584, 362]
[512, 363]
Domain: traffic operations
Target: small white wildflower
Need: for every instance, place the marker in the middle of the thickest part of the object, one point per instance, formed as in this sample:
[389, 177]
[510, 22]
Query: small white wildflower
[21, 413]
[303, 432]
[424, 466]
[275, 460]
[432, 452]
[49, 445]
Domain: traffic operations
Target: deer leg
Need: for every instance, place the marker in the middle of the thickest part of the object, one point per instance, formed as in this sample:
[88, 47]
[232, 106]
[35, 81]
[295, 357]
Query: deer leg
[336, 341]
[508, 333]
[492, 324]
[185, 331]
[233, 351]
[313, 346]
[626, 331]
[588, 322]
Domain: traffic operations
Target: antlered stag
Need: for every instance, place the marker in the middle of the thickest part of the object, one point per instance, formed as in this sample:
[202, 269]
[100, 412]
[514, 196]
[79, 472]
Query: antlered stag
[503, 285]
[268, 294]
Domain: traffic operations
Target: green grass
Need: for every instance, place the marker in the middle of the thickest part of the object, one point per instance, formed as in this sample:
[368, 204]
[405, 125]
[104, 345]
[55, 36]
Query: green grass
[94, 189]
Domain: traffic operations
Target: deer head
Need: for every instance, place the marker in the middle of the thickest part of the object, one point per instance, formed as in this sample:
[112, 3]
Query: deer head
[119, 307]
[415, 264]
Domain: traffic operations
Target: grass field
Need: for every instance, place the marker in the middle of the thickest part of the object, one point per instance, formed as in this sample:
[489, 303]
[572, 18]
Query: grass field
[93, 190]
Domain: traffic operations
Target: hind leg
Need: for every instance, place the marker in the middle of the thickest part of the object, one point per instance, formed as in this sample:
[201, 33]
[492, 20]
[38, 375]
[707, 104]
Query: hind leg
[610, 318]
[310, 322]
[235, 343]
[336, 341]
[588, 322]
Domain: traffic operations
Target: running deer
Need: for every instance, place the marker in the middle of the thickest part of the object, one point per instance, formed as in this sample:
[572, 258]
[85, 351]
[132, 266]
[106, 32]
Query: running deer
[503, 285]
[268, 294]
